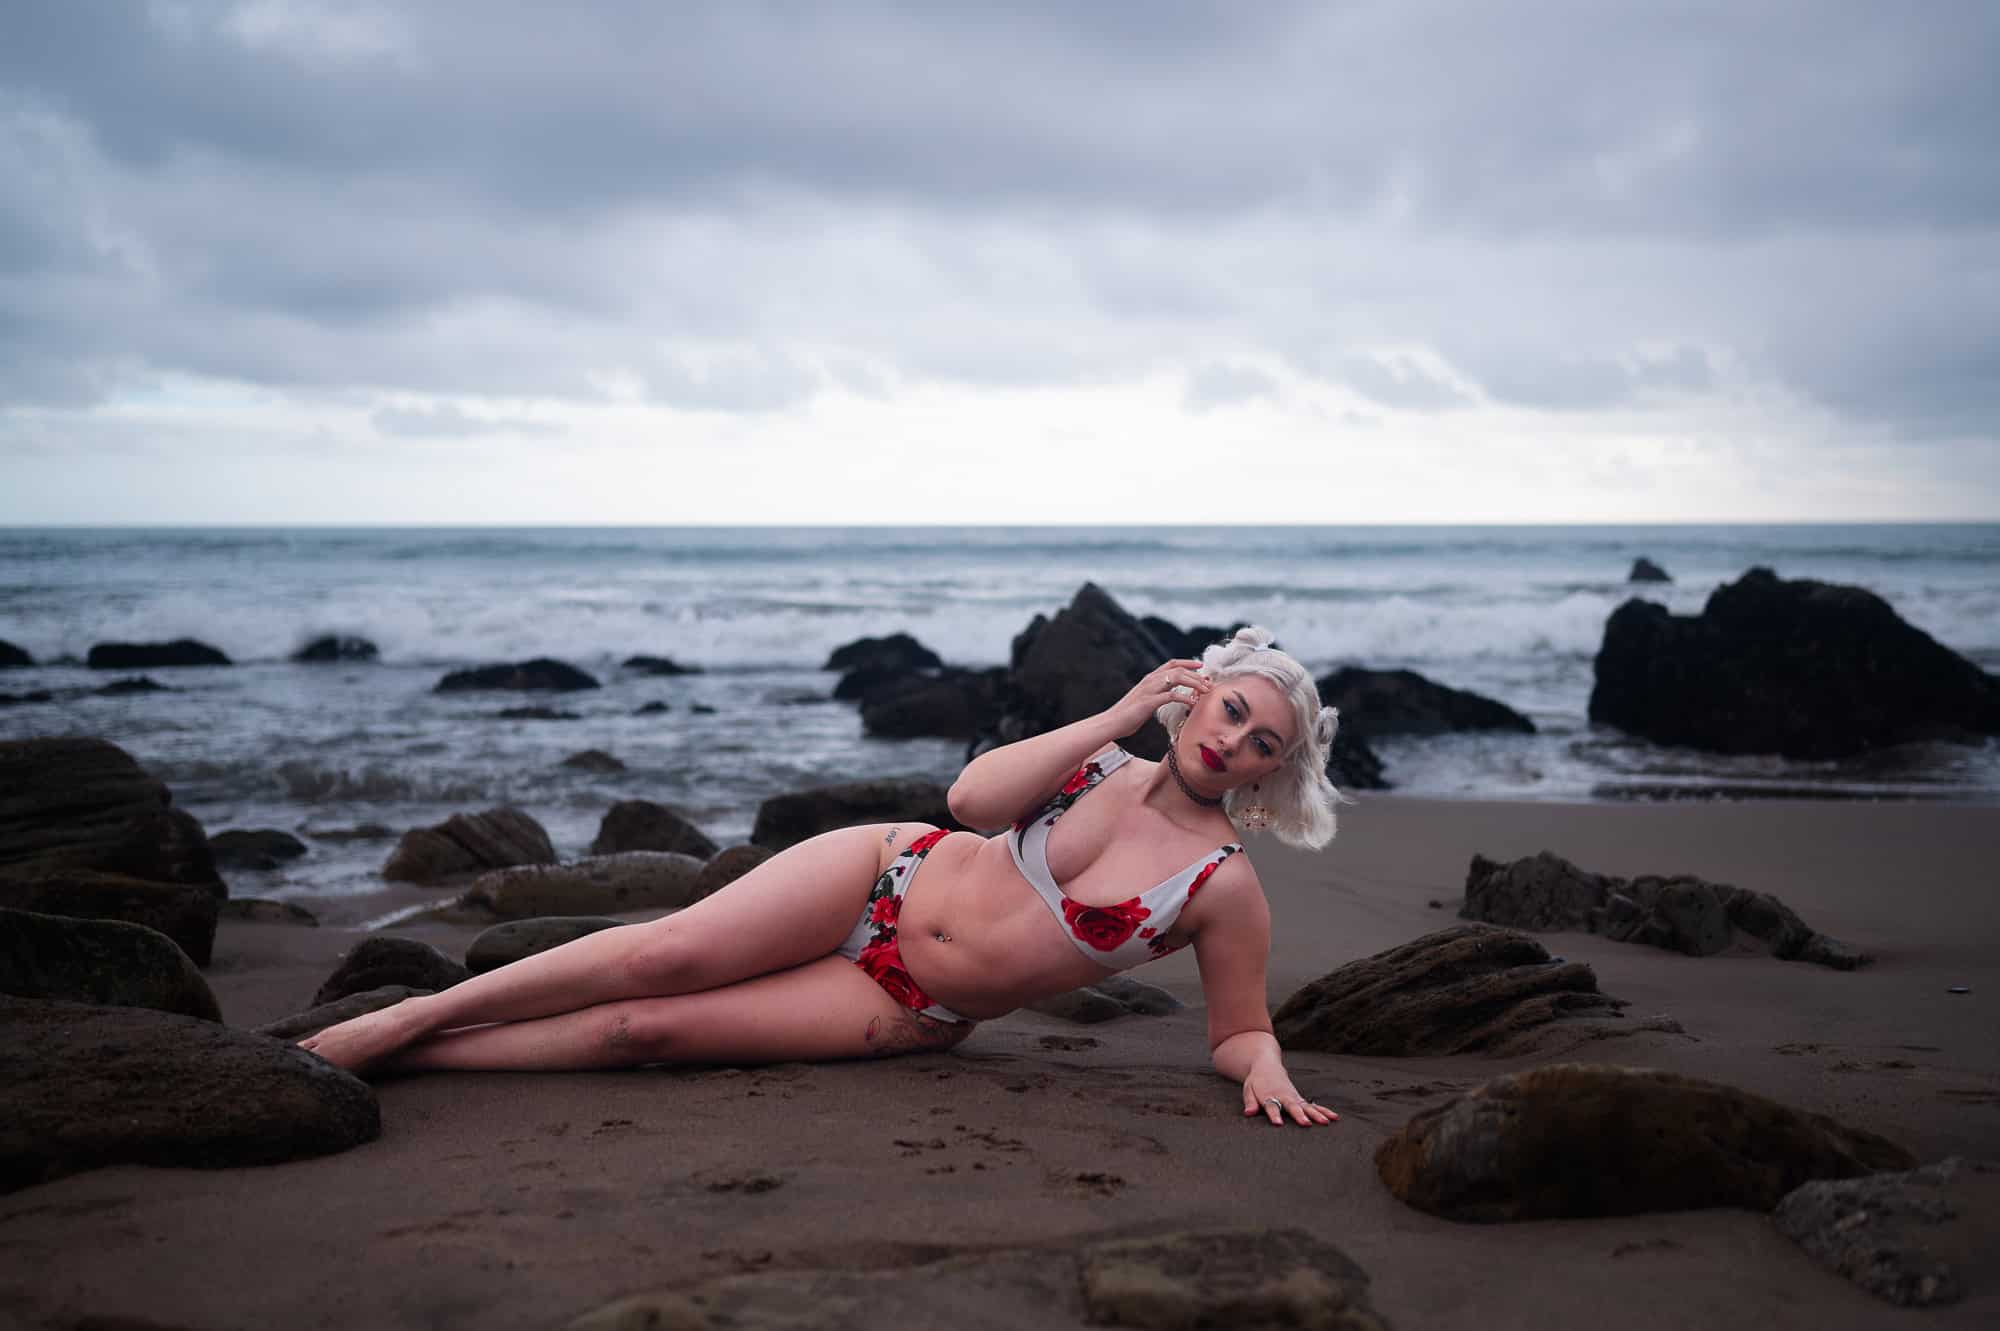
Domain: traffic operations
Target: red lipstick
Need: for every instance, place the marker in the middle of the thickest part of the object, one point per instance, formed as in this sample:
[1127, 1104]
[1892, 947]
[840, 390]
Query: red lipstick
[1213, 763]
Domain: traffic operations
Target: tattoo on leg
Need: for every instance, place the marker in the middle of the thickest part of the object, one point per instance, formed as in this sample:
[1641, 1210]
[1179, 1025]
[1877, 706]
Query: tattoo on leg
[912, 1032]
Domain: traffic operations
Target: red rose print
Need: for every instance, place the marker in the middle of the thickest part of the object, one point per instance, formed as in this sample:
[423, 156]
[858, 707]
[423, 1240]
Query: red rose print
[883, 962]
[1148, 931]
[926, 841]
[1081, 779]
[1104, 927]
[885, 910]
[1202, 877]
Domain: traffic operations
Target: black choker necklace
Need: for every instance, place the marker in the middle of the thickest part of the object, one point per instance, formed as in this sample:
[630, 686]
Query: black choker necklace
[1174, 766]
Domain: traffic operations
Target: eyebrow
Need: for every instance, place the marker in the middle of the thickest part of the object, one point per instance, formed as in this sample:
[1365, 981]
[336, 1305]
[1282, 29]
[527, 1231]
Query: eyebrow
[1244, 703]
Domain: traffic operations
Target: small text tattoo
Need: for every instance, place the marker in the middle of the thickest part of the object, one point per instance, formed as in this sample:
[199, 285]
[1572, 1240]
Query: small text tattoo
[890, 840]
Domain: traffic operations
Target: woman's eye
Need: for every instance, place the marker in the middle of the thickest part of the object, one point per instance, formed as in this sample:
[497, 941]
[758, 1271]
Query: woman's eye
[1263, 748]
[1229, 707]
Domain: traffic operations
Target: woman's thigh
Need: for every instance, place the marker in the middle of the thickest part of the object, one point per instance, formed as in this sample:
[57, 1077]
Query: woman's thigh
[795, 907]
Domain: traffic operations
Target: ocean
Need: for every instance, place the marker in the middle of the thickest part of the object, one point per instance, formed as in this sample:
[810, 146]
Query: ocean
[1516, 613]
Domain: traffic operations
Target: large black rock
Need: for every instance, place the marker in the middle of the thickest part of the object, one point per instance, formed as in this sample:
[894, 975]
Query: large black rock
[898, 651]
[145, 655]
[1794, 667]
[542, 673]
[105, 962]
[337, 647]
[1403, 702]
[1078, 663]
[10, 655]
[785, 820]
[949, 704]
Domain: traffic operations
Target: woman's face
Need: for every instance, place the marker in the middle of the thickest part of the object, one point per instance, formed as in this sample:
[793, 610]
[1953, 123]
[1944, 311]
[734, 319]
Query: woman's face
[1237, 733]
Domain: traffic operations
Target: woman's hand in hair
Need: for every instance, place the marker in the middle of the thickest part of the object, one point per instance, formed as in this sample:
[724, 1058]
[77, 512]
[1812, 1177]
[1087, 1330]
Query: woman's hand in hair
[1156, 690]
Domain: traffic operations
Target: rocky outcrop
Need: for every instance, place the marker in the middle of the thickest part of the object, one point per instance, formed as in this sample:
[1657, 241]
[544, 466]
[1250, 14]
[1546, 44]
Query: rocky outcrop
[469, 843]
[1799, 668]
[898, 652]
[726, 866]
[1402, 702]
[1680, 913]
[333, 647]
[597, 885]
[949, 704]
[1645, 570]
[644, 825]
[1110, 998]
[1352, 765]
[12, 657]
[1078, 663]
[381, 960]
[184, 912]
[84, 804]
[99, 961]
[594, 760]
[159, 1088]
[542, 673]
[258, 848]
[658, 665]
[147, 655]
[506, 943]
[1577, 1139]
[786, 820]
[1891, 1233]
[1467, 989]
[1190, 643]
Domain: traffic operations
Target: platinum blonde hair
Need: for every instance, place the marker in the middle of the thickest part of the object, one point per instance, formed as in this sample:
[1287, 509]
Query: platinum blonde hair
[1301, 799]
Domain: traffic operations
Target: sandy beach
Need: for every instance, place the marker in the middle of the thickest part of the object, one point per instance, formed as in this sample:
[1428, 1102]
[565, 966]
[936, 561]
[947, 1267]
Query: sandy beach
[528, 1200]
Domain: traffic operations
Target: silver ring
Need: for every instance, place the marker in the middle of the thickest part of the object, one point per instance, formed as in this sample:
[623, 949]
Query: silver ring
[1274, 1100]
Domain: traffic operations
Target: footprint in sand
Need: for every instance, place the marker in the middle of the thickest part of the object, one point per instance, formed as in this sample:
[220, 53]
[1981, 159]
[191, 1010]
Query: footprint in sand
[1069, 1044]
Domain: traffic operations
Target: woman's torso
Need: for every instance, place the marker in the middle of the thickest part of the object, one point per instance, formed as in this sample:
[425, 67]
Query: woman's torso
[1002, 945]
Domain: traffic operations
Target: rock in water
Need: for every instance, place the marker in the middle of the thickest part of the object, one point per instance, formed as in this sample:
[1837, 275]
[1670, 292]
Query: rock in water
[1799, 668]
[258, 848]
[504, 944]
[336, 647]
[1645, 570]
[898, 651]
[1579, 1139]
[1467, 989]
[1902, 1237]
[105, 962]
[1402, 702]
[1682, 913]
[94, 1086]
[540, 673]
[785, 820]
[469, 843]
[596, 885]
[644, 825]
[146, 655]
[378, 961]
[12, 657]
[1079, 663]
[594, 760]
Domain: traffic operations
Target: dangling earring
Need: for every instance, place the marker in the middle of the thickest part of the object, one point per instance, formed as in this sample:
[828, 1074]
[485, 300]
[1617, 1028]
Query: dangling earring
[1257, 817]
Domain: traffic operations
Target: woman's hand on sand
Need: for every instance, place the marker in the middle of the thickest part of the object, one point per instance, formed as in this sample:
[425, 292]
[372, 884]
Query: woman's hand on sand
[1176, 681]
[1272, 1093]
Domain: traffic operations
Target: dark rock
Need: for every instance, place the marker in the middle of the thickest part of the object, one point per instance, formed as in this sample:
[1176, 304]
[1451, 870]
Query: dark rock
[119, 688]
[316, 1019]
[259, 910]
[358, 832]
[1403, 702]
[726, 866]
[1077, 664]
[786, 820]
[536, 714]
[957, 704]
[12, 656]
[469, 843]
[337, 647]
[701, 709]
[1467, 989]
[1799, 668]
[1577, 1139]
[598, 885]
[1645, 570]
[1681, 913]
[99, 961]
[1112, 997]
[184, 912]
[1885, 1232]
[898, 652]
[147, 655]
[644, 825]
[85, 804]
[381, 960]
[542, 673]
[593, 760]
[653, 708]
[866, 682]
[94, 1086]
[1189, 643]
[255, 848]
[32, 695]
[506, 943]
[659, 665]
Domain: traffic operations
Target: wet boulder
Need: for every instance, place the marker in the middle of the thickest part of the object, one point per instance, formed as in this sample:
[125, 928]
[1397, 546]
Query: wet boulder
[184, 912]
[1645, 570]
[1077, 663]
[159, 1088]
[644, 825]
[333, 647]
[1576, 1139]
[1799, 668]
[380, 960]
[469, 843]
[950, 704]
[125, 688]
[596, 885]
[257, 848]
[1379, 703]
[898, 652]
[1467, 989]
[1352, 765]
[541, 673]
[12, 657]
[785, 820]
[1681, 913]
[106, 962]
[594, 760]
[658, 665]
[84, 804]
[506, 943]
[148, 655]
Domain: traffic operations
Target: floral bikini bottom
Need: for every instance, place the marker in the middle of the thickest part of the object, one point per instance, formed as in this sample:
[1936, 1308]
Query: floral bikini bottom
[872, 944]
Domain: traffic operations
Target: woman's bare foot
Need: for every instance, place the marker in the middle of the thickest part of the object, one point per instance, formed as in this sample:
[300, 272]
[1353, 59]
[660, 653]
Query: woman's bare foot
[360, 1042]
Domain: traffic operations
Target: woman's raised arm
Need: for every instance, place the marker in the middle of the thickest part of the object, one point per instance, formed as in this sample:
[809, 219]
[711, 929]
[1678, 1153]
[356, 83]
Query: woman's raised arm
[1001, 784]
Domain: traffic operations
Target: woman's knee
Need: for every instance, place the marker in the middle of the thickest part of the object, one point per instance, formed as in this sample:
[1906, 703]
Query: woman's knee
[661, 960]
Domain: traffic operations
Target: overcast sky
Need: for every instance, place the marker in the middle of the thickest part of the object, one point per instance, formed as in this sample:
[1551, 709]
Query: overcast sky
[293, 261]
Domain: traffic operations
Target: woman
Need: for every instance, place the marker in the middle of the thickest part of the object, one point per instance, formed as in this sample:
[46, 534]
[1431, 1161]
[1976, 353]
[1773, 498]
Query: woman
[838, 948]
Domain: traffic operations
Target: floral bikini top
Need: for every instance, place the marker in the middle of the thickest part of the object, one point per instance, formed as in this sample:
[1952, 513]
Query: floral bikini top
[1119, 936]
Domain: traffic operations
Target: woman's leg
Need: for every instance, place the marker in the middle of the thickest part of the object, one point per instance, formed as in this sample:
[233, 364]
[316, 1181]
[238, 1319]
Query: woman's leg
[824, 1009]
[796, 906]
